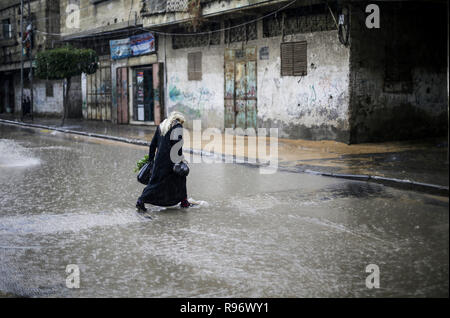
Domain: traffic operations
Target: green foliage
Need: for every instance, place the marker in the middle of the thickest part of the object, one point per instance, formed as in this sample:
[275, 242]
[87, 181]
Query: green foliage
[141, 163]
[65, 62]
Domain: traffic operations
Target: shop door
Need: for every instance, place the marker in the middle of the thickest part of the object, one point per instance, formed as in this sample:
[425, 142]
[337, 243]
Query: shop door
[143, 94]
[122, 95]
[240, 88]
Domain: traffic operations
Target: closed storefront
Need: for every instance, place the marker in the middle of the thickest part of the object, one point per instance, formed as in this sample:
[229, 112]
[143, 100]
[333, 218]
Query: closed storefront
[98, 88]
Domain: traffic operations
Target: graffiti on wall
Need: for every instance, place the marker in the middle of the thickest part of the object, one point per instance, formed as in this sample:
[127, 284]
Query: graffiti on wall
[189, 100]
[319, 97]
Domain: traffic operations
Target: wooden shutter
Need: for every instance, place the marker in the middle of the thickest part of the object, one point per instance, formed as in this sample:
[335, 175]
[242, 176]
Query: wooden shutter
[287, 59]
[293, 59]
[300, 62]
[195, 66]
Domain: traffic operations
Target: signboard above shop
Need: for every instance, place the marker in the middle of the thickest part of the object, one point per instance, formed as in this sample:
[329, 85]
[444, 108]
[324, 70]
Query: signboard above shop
[120, 48]
[135, 45]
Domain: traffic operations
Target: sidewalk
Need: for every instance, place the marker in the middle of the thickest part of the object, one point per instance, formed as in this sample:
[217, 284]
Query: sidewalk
[407, 163]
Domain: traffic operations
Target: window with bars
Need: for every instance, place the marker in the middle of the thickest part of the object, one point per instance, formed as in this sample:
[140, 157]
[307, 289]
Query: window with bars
[195, 66]
[293, 58]
[245, 32]
[196, 40]
[6, 29]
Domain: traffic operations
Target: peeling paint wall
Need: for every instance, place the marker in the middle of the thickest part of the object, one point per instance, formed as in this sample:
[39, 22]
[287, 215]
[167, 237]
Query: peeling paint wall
[45, 105]
[108, 14]
[196, 99]
[314, 106]
[412, 37]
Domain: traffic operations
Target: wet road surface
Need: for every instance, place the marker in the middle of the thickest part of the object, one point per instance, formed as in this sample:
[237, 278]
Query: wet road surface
[70, 200]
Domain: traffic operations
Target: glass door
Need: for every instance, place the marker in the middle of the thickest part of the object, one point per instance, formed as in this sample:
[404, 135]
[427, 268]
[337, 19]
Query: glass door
[143, 94]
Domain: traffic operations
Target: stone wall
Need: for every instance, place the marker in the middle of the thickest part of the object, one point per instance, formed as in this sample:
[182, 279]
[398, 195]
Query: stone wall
[314, 106]
[50, 105]
[399, 72]
[106, 15]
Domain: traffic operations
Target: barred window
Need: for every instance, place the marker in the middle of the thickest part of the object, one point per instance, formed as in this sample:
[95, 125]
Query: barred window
[196, 40]
[244, 32]
[195, 66]
[293, 59]
[6, 29]
[313, 18]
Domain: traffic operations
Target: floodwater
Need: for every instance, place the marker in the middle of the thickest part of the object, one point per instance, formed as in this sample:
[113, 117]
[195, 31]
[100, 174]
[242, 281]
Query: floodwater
[70, 200]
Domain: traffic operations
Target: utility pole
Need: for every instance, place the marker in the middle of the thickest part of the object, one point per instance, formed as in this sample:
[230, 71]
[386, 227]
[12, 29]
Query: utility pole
[21, 60]
[28, 41]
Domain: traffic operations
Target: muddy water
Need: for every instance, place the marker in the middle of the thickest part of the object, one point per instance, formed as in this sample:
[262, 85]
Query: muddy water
[71, 201]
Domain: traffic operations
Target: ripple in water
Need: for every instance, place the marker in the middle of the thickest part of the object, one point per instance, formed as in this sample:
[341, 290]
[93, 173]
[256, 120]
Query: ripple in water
[13, 155]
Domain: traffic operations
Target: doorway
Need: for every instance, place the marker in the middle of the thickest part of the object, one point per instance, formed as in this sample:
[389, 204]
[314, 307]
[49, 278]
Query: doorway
[143, 105]
[7, 98]
[240, 88]
[122, 95]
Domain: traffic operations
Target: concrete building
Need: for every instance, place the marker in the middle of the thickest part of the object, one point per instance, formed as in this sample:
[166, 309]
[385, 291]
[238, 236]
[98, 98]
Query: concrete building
[315, 69]
[126, 78]
[298, 70]
[47, 94]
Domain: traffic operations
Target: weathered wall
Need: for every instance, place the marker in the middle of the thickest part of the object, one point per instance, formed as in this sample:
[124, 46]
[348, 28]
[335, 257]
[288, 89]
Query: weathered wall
[196, 99]
[101, 16]
[46, 105]
[45, 17]
[409, 46]
[314, 106]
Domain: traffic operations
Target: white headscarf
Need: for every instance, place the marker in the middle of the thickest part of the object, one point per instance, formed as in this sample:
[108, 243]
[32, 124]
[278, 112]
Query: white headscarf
[171, 121]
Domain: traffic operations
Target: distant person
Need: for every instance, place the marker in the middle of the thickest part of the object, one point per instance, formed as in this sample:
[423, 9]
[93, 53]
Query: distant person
[26, 104]
[165, 188]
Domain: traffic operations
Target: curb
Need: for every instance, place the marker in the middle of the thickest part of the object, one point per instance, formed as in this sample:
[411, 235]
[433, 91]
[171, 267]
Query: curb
[392, 182]
[76, 132]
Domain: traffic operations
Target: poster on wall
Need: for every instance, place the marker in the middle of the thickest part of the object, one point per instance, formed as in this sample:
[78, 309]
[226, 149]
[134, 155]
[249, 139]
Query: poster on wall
[140, 95]
[120, 48]
[142, 44]
[141, 112]
[133, 46]
[264, 53]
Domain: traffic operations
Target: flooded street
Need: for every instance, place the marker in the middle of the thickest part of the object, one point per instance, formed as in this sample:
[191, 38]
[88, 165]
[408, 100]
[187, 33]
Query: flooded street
[70, 200]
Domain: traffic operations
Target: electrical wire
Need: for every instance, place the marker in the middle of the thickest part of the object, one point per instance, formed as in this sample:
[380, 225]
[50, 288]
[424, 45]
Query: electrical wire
[175, 34]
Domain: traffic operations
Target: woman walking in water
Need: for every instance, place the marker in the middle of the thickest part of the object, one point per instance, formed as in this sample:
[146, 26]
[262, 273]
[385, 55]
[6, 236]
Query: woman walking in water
[165, 188]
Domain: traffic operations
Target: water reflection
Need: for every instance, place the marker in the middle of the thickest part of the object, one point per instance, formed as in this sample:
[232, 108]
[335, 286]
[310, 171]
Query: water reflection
[281, 235]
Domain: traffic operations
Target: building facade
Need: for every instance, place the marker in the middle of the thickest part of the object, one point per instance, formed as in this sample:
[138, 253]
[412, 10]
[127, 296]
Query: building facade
[127, 88]
[43, 30]
[314, 69]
